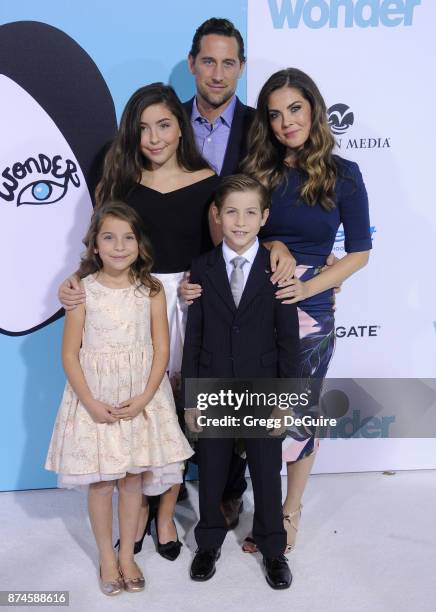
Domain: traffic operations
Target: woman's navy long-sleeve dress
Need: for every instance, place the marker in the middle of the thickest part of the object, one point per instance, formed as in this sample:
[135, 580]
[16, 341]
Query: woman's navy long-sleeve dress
[309, 232]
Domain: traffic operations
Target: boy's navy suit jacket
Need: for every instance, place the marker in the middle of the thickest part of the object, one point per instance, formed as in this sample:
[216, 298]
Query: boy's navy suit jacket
[259, 339]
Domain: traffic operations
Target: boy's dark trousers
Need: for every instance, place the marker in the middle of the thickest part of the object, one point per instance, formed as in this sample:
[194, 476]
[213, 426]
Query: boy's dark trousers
[264, 461]
[236, 483]
[257, 339]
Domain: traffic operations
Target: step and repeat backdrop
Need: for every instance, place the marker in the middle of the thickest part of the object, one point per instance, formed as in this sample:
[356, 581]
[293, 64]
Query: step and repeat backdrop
[66, 71]
[373, 62]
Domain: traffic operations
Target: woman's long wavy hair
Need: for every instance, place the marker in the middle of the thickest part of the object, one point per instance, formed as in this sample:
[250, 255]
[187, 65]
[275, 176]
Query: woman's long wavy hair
[139, 273]
[124, 161]
[265, 159]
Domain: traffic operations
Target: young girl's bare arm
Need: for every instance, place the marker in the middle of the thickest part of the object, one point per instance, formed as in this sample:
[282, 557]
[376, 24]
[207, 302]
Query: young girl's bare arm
[73, 328]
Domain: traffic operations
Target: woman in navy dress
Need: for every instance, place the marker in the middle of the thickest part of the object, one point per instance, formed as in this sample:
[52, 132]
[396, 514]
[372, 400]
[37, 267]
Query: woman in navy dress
[313, 192]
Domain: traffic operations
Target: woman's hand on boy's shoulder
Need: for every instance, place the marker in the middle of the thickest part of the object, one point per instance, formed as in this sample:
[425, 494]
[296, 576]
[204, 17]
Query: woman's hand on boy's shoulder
[282, 262]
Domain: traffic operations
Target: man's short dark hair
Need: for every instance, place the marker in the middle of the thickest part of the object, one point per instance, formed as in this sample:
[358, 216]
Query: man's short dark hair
[241, 183]
[221, 27]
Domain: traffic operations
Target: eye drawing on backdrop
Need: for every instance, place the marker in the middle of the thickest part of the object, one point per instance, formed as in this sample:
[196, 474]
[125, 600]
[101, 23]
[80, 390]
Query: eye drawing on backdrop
[56, 120]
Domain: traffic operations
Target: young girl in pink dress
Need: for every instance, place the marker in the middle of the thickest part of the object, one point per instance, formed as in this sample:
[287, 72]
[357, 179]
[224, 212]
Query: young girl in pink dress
[117, 424]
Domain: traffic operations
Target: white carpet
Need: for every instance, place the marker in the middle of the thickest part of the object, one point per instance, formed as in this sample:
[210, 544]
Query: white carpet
[366, 542]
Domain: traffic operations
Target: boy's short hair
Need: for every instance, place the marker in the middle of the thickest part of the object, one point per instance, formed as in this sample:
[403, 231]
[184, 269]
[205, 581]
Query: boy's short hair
[221, 27]
[241, 182]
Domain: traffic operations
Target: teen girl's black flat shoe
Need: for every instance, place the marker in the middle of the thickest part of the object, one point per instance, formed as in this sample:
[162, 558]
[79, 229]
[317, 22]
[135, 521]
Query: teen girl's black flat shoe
[169, 550]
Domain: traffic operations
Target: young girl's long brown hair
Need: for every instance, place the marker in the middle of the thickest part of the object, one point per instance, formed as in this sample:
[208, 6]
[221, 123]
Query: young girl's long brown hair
[124, 161]
[139, 272]
[265, 159]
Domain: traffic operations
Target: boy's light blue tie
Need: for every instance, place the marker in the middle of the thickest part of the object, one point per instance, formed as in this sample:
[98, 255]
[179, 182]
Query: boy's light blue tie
[237, 278]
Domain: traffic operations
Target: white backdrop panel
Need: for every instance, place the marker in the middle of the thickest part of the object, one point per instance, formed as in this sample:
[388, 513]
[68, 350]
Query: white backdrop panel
[377, 58]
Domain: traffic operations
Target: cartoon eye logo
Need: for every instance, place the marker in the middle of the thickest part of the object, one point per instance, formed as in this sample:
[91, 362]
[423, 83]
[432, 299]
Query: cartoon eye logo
[42, 192]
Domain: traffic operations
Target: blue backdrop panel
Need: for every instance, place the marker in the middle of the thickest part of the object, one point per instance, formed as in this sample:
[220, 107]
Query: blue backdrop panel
[132, 43]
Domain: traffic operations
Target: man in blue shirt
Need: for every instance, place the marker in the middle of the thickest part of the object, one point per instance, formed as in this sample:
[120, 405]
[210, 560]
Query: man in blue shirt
[219, 119]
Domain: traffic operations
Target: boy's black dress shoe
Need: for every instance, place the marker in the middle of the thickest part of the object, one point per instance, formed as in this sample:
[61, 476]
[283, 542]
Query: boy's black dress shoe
[203, 564]
[278, 575]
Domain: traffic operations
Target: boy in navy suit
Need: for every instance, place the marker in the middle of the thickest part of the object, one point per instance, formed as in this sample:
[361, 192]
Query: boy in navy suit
[237, 328]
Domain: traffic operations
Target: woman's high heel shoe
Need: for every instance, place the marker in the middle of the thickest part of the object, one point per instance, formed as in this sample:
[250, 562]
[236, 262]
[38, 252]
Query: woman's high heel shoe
[169, 550]
[288, 522]
[147, 531]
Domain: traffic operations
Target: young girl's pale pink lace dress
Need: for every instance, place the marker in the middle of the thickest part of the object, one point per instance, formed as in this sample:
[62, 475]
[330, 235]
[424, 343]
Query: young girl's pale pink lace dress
[116, 357]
